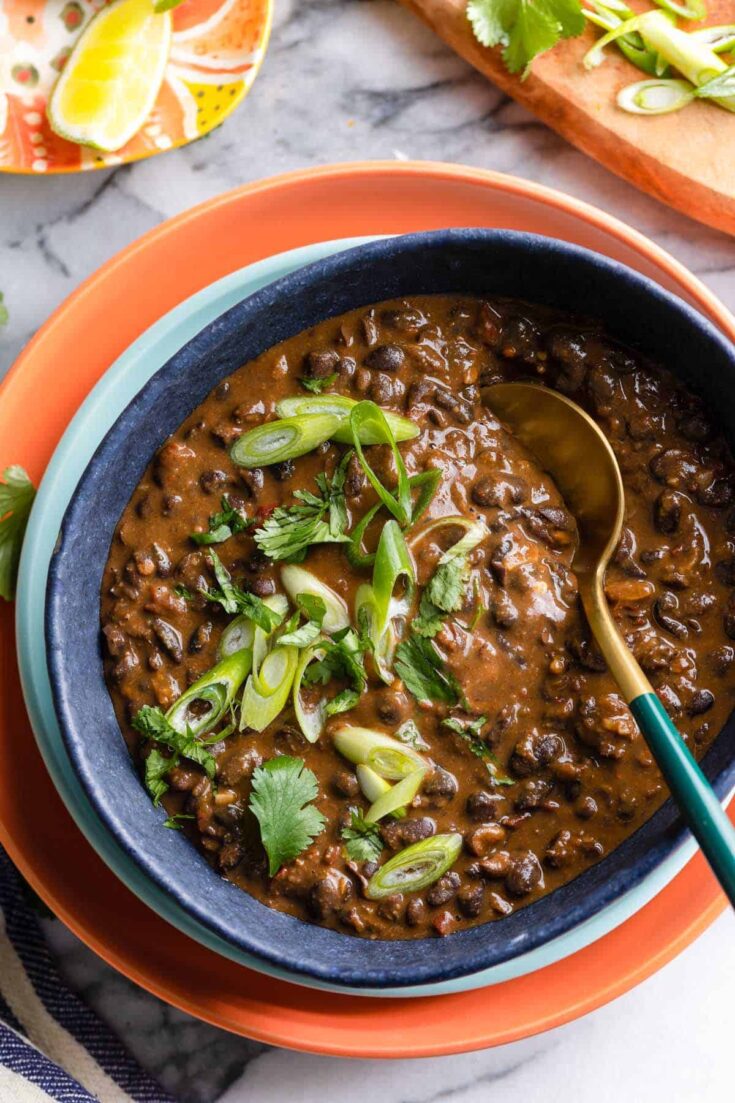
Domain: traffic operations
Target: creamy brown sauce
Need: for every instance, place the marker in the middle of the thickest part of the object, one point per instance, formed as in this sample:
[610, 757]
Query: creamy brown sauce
[582, 776]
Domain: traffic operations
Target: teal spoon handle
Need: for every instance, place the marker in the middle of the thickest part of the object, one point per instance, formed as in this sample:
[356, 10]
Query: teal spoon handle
[697, 802]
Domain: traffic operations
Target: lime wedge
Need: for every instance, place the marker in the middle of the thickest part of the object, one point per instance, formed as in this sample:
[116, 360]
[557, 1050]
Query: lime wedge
[108, 86]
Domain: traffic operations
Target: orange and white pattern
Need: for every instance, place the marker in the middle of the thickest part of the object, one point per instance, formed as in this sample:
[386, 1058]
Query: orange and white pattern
[215, 54]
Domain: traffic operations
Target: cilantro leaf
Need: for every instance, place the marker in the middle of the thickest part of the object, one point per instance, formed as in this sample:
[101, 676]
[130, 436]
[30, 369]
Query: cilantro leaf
[174, 822]
[283, 789]
[421, 668]
[525, 28]
[363, 841]
[314, 609]
[313, 519]
[4, 316]
[151, 722]
[316, 386]
[235, 600]
[430, 617]
[156, 768]
[16, 498]
[470, 730]
[494, 771]
[343, 658]
[223, 525]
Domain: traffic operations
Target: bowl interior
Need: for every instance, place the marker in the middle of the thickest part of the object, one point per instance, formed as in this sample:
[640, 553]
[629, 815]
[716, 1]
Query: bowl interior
[471, 261]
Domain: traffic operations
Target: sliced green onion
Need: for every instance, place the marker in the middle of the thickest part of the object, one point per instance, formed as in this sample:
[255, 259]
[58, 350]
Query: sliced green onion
[596, 55]
[691, 9]
[426, 481]
[632, 45]
[238, 635]
[655, 97]
[215, 689]
[397, 798]
[311, 721]
[368, 418]
[393, 565]
[276, 441]
[693, 58]
[719, 39]
[386, 756]
[297, 580]
[267, 690]
[341, 406]
[416, 867]
[723, 85]
[373, 786]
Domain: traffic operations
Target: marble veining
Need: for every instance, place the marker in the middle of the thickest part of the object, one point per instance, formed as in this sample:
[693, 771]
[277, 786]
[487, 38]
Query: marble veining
[351, 80]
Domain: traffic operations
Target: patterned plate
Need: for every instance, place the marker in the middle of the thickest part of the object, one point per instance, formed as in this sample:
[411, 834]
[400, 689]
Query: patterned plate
[216, 52]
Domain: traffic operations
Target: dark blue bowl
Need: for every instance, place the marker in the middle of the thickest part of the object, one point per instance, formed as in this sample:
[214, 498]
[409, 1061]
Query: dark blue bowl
[494, 262]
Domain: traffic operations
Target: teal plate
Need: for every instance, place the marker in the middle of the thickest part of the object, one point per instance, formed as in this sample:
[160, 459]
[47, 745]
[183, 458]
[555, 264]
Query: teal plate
[96, 415]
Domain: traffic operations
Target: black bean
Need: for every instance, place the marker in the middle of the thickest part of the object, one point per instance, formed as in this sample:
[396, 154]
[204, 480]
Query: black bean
[391, 907]
[319, 365]
[381, 389]
[667, 511]
[415, 912]
[471, 900]
[440, 783]
[525, 875]
[212, 481]
[284, 470]
[482, 807]
[445, 889]
[701, 701]
[392, 707]
[329, 894]
[504, 612]
[346, 784]
[200, 637]
[253, 479]
[399, 833]
[386, 358]
[169, 637]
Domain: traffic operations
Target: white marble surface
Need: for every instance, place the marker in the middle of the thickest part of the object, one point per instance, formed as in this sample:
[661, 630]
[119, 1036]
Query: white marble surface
[343, 80]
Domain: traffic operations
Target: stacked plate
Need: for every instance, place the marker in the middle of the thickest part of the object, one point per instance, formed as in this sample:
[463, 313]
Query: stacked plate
[444, 197]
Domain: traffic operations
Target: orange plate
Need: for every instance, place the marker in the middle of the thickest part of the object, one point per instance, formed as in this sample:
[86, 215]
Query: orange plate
[87, 333]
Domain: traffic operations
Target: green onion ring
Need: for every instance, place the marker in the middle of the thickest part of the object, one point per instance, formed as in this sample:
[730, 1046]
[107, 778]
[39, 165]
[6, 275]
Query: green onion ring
[276, 441]
[217, 688]
[341, 406]
[388, 757]
[416, 867]
[397, 797]
[368, 416]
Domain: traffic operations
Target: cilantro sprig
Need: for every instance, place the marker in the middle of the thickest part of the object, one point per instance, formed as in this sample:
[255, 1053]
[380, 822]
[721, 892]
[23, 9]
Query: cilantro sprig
[151, 722]
[313, 519]
[469, 731]
[317, 386]
[524, 28]
[424, 673]
[281, 801]
[235, 600]
[363, 841]
[343, 658]
[16, 498]
[229, 522]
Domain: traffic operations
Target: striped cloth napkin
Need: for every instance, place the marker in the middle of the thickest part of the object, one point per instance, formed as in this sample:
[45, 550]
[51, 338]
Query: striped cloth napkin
[52, 1046]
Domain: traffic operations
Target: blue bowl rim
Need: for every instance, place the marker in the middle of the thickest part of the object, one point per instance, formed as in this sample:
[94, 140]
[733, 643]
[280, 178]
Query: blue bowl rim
[554, 919]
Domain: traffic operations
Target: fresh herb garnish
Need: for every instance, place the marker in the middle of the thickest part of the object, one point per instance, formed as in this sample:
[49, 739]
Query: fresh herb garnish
[313, 519]
[314, 608]
[470, 730]
[283, 789]
[524, 28]
[16, 498]
[429, 619]
[316, 386]
[363, 841]
[409, 733]
[174, 822]
[229, 522]
[183, 591]
[423, 672]
[234, 600]
[4, 316]
[494, 770]
[343, 658]
[151, 723]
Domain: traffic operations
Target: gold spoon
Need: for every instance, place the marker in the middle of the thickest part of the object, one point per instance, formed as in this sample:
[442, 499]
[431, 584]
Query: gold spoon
[575, 452]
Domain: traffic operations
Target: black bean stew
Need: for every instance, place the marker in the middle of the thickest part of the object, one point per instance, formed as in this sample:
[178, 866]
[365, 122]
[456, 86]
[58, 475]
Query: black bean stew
[456, 747]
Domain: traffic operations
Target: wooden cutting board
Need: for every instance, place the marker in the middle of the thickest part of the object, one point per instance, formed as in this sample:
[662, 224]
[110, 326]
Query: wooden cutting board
[686, 159]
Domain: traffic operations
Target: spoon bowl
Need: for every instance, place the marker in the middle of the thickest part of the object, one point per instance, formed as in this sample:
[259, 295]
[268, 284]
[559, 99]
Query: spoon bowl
[575, 452]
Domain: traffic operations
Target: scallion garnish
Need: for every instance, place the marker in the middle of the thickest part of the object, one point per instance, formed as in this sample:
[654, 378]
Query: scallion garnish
[383, 754]
[368, 418]
[341, 406]
[310, 720]
[376, 605]
[655, 97]
[397, 798]
[237, 636]
[298, 582]
[426, 482]
[720, 39]
[205, 702]
[276, 441]
[267, 688]
[416, 867]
